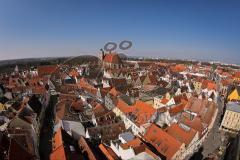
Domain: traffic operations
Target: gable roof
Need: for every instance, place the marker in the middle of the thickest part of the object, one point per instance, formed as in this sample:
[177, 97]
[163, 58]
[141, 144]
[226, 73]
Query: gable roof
[114, 92]
[143, 112]
[58, 151]
[182, 133]
[193, 122]
[140, 112]
[106, 132]
[108, 152]
[46, 70]
[162, 141]
[173, 110]
[112, 58]
[92, 152]
[73, 73]
[180, 98]
[123, 106]
[138, 147]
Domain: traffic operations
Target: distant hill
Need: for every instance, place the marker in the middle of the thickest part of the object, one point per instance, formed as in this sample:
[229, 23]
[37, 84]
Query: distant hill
[9, 65]
[85, 59]
[122, 56]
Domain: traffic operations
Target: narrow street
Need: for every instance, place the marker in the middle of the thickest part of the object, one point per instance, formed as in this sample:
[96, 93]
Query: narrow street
[213, 140]
[215, 137]
[45, 145]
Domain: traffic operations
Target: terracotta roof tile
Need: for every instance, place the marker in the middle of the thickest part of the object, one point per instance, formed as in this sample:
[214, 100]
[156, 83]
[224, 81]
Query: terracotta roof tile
[143, 112]
[114, 92]
[73, 73]
[183, 134]
[138, 146]
[237, 74]
[162, 141]
[108, 152]
[124, 107]
[173, 110]
[139, 112]
[211, 86]
[164, 100]
[58, 152]
[46, 70]
[193, 122]
[112, 58]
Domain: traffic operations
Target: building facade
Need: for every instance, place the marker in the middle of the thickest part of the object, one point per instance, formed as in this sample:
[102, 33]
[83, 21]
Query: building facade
[231, 119]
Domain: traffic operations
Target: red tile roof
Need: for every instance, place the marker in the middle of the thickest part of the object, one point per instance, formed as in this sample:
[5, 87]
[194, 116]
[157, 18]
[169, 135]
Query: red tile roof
[237, 74]
[211, 86]
[83, 144]
[108, 152]
[112, 58]
[38, 90]
[164, 100]
[178, 68]
[183, 135]
[114, 92]
[58, 152]
[124, 107]
[162, 141]
[203, 108]
[193, 122]
[143, 112]
[225, 82]
[87, 87]
[180, 98]
[140, 110]
[138, 146]
[196, 105]
[173, 110]
[46, 70]
[73, 73]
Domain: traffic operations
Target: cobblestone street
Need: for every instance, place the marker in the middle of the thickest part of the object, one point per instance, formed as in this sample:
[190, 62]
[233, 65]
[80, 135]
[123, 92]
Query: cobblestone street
[213, 141]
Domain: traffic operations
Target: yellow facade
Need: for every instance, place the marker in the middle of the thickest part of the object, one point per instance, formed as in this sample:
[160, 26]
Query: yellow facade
[197, 86]
[231, 121]
[234, 95]
[2, 107]
[146, 81]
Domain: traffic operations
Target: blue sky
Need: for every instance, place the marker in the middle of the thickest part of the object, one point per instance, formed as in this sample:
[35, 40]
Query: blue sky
[175, 29]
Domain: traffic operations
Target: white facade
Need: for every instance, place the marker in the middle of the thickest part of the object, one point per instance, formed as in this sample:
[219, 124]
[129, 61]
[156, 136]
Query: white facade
[129, 124]
[157, 103]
